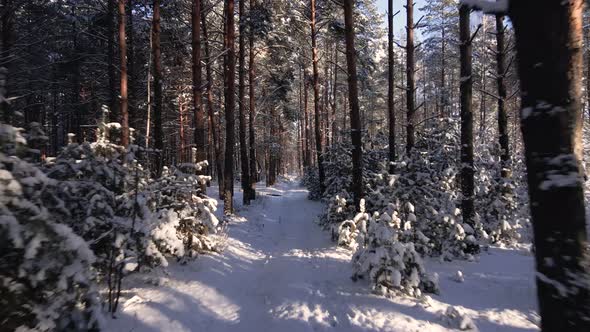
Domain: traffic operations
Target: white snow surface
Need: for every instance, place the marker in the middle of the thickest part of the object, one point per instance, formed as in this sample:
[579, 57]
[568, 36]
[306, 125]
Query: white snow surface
[281, 273]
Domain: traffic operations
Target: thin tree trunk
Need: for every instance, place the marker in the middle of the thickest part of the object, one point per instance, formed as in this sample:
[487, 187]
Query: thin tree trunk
[252, 117]
[199, 116]
[158, 104]
[212, 121]
[149, 93]
[467, 181]
[549, 42]
[230, 71]
[355, 121]
[316, 97]
[410, 76]
[391, 88]
[307, 124]
[502, 116]
[7, 27]
[111, 61]
[133, 116]
[182, 138]
[246, 185]
[443, 92]
[335, 94]
[124, 92]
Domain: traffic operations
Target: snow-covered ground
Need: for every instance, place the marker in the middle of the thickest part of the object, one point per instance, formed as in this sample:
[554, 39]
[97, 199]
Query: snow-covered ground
[280, 273]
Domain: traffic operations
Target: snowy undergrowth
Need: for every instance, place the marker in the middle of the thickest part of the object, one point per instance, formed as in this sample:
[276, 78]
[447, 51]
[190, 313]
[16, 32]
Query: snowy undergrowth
[83, 221]
[414, 212]
[279, 274]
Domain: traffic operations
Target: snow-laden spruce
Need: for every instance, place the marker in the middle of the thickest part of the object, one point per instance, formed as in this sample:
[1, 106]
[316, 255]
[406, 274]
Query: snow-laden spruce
[46, 279]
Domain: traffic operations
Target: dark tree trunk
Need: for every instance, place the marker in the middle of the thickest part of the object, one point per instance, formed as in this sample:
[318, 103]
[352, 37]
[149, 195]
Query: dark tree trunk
[111, 61]
[502, 116]
[158, 104]
[316, 97]
[7, 27]
[443, 92]
[550, 58]
[355, 121]
[230, 71]
[307, 124]
[391, 88]
[198, 113]
[134, 118]
[213, 123]
[244, 162]
[123, 69]
[467, 182]
[252, 117]
[335, 94]
[410, 76]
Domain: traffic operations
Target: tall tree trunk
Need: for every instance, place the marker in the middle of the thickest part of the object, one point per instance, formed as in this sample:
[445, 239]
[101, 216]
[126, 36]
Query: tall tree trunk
[252, 117]
[133, 116]
[158, 104]
[111, 61]
[335, 94]
[355, 121]
[391, 88]
[213, 122]
[443, 90]
[307, 124]
[5, 56]
[316, 97]
[181, 135]
[549, 42]
[588, 69]
[230, 71]
[245, 164]
[199, 116]
[410, 76]
[467, 181]
[124, 93]
[502, 116]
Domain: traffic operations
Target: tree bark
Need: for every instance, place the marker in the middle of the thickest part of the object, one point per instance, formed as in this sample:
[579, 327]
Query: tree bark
[316, 97]
[307, 124]
[335, 94]
[111, 61]
[124, 93]
[213, 122]
[252, 117]
[242, 105]
[133, 116]
[230, 70]
[7, 27]
[157, 57]
[410, 77]
[549, 45]
[391, 88]
[502, 116]
[467, 181]
[199, 116]
[355, 121]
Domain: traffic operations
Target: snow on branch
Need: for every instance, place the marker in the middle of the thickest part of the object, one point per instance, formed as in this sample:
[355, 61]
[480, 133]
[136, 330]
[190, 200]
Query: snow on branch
[488, 7]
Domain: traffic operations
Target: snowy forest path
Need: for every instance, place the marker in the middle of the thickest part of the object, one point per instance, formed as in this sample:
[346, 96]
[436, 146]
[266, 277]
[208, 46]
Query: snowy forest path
[280, 272]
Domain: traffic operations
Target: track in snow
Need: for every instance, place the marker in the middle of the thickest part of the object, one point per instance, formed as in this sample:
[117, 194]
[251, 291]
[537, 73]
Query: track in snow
[281, 273]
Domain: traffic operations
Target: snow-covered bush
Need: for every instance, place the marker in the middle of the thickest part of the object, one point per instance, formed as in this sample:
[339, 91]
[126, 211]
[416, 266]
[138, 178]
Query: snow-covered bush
[500, 201]
[185, 216]
[427, 180]
[130, 219]
[387, 257]
[46, 278]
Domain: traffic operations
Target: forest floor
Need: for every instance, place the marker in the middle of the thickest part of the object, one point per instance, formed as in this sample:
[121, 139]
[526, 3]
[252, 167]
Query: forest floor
[281, 273]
